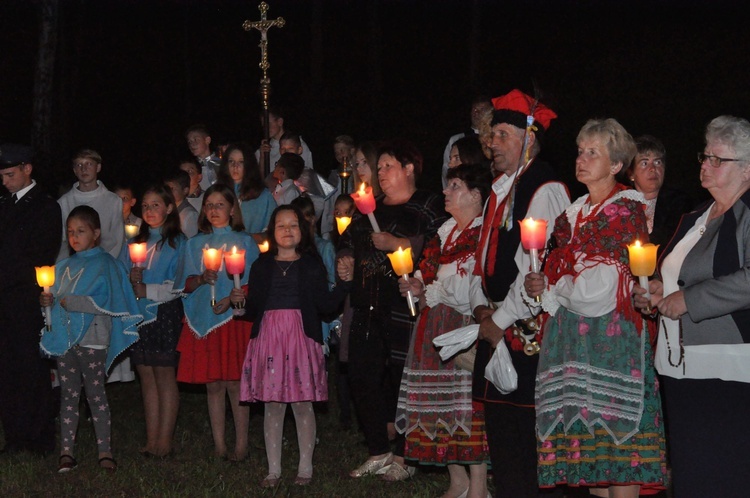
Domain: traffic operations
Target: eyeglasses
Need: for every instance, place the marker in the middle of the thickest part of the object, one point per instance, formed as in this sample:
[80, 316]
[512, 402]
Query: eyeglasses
[714, 161]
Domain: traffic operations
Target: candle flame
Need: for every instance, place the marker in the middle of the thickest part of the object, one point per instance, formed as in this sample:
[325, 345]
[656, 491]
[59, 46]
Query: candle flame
[362, 188]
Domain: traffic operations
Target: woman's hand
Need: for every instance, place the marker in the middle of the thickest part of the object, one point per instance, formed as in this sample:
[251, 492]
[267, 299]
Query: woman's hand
[673, 306]
[481, 312]
[345, 268]
[46, 299]
[237, 297]
[647, 306]
[222, 305]
[136, 276]
[534, 284]
[490, 332]
[384, 241]
[414, 285]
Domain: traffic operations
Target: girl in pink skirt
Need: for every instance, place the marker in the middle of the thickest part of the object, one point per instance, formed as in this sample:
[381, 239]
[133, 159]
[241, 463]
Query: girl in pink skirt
[287, 298]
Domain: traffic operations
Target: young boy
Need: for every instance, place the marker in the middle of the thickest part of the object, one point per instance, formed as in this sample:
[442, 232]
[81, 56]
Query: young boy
[195, 192]
[288, 169]
[129, 200]
[179, 183]
[199, 142]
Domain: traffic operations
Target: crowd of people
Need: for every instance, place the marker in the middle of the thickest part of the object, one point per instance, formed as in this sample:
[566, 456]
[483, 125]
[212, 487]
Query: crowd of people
[620, 389]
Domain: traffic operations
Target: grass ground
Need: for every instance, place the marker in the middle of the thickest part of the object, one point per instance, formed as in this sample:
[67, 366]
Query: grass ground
[193, 471]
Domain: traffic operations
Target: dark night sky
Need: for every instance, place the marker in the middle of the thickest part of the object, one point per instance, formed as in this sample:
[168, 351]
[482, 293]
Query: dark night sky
[132, 75]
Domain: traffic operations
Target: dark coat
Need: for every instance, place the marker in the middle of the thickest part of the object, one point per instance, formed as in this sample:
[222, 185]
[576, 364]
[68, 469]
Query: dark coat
[671, 204]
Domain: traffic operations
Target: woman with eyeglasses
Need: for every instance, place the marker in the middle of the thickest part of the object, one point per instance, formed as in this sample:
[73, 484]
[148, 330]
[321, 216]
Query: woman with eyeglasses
[703, 299]
[664, 205]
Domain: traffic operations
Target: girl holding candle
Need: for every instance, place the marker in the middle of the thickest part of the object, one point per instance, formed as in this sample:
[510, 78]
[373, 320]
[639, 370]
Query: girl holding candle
[94, 319]
[288, 293]
[599, 420]
[155, 355]
[212, 346]
[239, 168]
[381, 323]
[435, 408]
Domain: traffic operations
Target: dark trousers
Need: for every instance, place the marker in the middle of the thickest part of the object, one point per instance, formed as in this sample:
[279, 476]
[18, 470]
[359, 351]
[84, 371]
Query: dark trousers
[374, 379]
[27, 410]
[710, 441]
[511, 435]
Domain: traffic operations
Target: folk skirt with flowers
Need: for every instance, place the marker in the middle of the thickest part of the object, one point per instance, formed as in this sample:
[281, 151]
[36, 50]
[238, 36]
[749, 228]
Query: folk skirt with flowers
[283, 364]
[599, 417]
[435, 408]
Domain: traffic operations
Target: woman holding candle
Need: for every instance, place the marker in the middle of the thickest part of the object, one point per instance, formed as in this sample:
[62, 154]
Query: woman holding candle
[702, 352]
[240, 169]
[288, 293]
[94, 319]
[443, 426]
[597, 399]
[381, 323]
[212, 345]
[155, 355]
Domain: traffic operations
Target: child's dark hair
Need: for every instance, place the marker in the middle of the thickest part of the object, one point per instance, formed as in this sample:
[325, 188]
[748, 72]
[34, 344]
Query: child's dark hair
[344, 198]
[293, 164]
[235, 215]
[86, 214]
[307, 208]
[89, 216]
[252, 184]
[306, 243]
[170, 230]
[178, 176]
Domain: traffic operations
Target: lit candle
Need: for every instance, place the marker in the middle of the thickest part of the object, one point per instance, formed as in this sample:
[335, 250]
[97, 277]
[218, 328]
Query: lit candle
[131, 231]
[263, 246]
[45, 277]
[403, 265]
[212, 261]
[342, 222]
[642, 262]
[235, 263]
[533, 238]
[365, 202]
[137, 253]
[533, 233]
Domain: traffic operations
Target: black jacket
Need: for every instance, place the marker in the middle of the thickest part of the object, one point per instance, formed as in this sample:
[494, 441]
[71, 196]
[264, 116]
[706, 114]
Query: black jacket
[316, 301]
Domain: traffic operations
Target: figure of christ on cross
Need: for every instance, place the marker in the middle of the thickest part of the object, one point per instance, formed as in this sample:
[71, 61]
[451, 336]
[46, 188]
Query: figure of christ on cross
[265, 83]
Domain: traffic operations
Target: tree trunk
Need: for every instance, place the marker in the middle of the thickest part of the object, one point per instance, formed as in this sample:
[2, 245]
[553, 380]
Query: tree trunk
[41, 136]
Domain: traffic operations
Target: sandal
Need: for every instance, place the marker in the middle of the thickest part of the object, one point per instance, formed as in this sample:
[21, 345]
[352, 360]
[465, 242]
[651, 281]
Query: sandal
[66, 464]
[271, 481]
[108, 463]
[373, 466]
[398, 473]
[302, 480]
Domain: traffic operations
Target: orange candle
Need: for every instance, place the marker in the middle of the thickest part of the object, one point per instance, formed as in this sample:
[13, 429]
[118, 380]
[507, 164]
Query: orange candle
[131, 231]
[45, 277]
[403, 265]
[533, 233]
[137, 253]
[642, 258]
[401, 261]
[235, 261]
[364, 199]
[342, 222]
[263, 246]
[212, 259]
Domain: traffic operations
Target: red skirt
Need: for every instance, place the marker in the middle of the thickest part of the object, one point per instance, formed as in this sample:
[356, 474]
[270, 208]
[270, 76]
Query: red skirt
[216, 357]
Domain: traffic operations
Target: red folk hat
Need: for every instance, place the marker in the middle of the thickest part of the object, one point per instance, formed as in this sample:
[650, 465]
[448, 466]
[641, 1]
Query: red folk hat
[513, 107]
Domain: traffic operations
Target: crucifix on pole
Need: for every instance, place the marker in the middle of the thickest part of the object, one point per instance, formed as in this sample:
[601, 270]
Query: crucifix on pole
[265, 83]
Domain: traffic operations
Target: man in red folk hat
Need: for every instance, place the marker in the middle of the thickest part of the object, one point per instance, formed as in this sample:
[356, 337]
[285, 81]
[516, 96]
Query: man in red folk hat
[523, 187]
